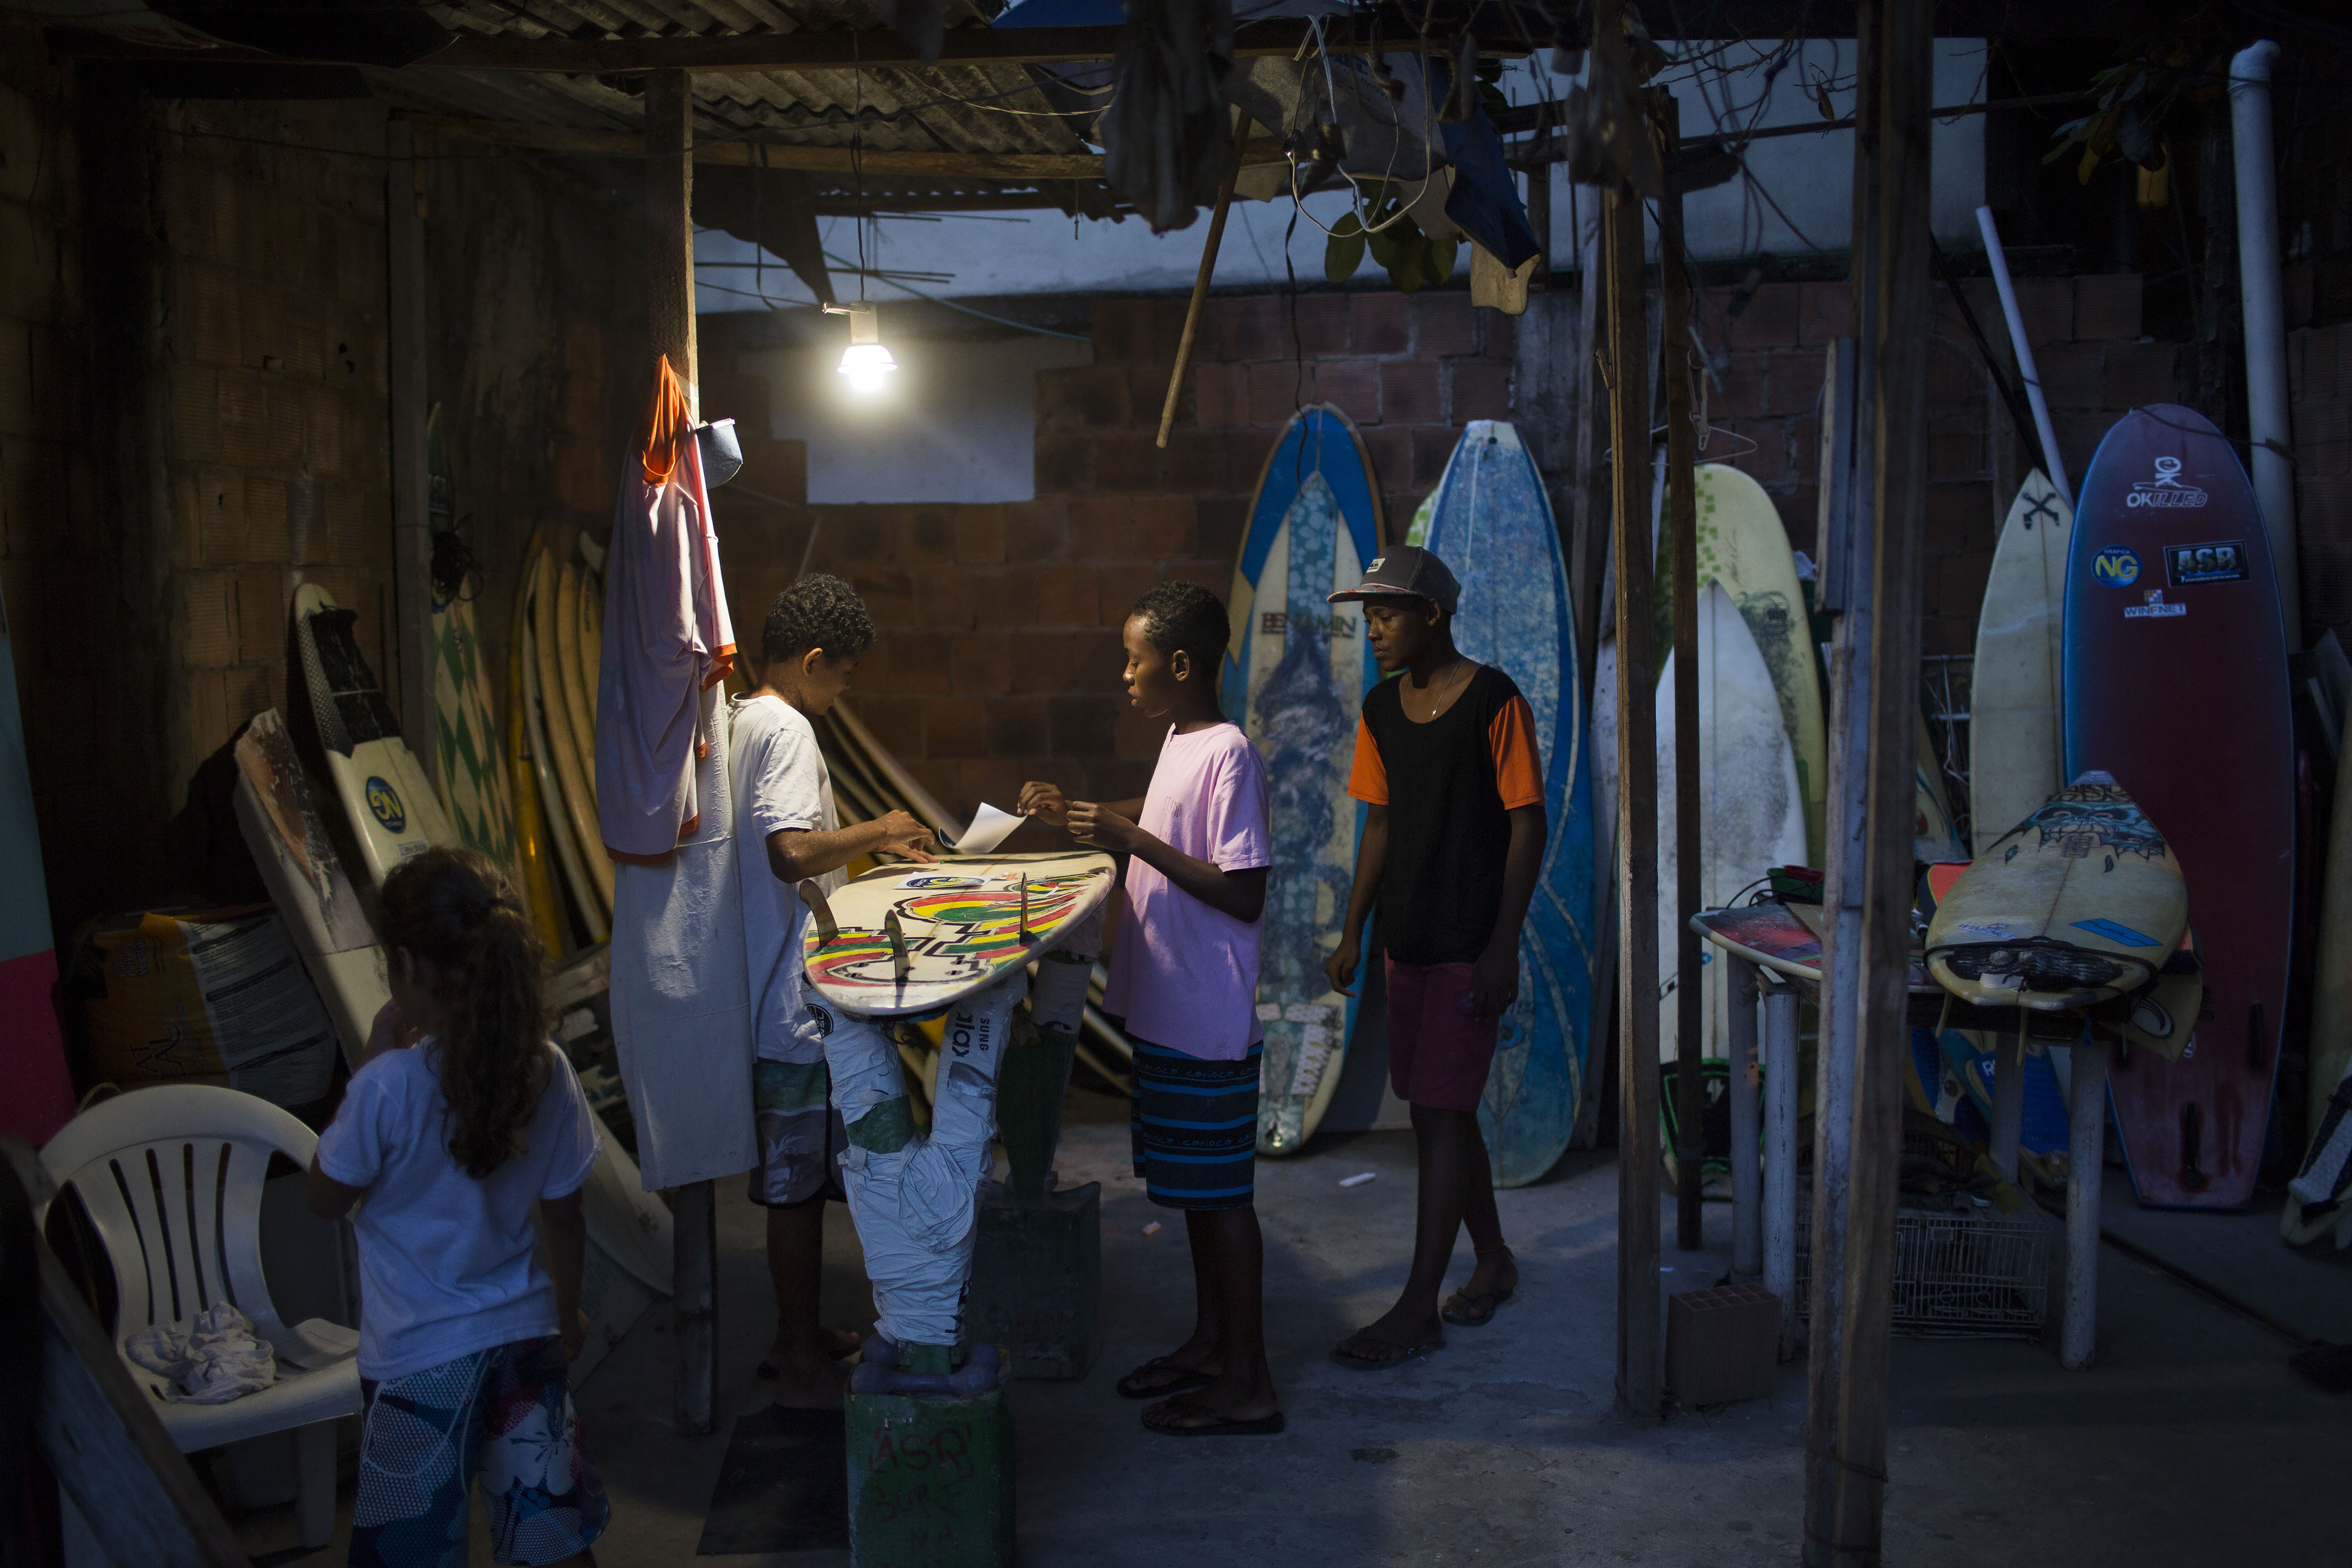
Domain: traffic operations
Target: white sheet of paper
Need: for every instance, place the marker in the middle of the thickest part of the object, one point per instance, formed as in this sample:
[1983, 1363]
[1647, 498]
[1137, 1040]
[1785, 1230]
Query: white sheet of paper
[990, 827]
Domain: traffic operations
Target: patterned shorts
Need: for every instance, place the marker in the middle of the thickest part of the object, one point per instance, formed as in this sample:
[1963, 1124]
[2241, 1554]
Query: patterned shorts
[1193, 1127]
[506, 1413]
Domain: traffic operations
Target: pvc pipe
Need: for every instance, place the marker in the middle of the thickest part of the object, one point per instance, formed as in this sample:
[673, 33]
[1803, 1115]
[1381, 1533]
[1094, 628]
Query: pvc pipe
[2052, 465]
[2086, 1169]
[2265, 313]
[1747, 1201]
[2008, 1102]
[1780, 1072]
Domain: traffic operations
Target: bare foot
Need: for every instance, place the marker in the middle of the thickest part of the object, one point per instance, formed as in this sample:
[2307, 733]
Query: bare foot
[1395, 1336]
[1490, 1284]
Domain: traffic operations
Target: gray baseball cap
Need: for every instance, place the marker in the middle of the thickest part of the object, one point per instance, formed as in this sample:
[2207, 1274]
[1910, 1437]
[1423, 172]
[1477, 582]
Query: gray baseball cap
[1402, 572]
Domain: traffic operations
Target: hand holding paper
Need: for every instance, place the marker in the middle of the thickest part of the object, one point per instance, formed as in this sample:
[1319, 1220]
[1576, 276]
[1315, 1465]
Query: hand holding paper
[990, 827]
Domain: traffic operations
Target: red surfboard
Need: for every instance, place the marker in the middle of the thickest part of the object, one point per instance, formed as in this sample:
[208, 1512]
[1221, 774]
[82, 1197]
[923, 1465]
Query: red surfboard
[2176, 682]
[39, 1098]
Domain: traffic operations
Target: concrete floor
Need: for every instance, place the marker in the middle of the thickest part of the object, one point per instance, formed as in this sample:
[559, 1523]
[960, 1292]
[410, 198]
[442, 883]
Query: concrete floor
[2191, 1442]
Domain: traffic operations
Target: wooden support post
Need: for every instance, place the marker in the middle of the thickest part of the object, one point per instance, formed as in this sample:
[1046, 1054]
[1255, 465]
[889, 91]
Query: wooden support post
[1201, 284]
[411, 537]
[1894, 50]
[2086, 1145]
[1539, 220]
[1587, 544]
[669, 320]
[1746, 1216]
[1639, 1366]
[1780, 1156]
[1682, 547]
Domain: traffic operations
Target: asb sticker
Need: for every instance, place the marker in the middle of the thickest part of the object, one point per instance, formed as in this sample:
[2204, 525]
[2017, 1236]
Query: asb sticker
[384, 802]
[2117, 566]
[2222, 561]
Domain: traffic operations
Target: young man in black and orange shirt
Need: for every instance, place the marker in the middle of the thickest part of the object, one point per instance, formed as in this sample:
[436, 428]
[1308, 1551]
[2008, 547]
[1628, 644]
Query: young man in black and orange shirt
[1453, 838]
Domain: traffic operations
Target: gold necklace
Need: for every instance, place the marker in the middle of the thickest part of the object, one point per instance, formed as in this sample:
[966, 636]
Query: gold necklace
[1432, 694]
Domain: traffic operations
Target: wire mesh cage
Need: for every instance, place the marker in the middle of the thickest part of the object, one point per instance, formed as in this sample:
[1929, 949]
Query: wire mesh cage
[1983, 1275]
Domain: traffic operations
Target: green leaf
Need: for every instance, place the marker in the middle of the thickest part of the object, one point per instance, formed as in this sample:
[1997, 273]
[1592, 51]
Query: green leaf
[1388, 242]
[1343, 252]
[1437, 262]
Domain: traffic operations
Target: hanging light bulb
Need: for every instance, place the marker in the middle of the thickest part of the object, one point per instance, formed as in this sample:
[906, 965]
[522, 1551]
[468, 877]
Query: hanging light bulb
[865, 363]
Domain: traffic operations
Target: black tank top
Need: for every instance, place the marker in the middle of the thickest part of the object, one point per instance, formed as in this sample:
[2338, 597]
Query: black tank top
[1448, 830]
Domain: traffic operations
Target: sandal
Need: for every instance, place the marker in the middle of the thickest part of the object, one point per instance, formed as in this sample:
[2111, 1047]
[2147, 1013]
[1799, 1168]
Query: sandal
[1475, 1309]
[1136, 1384]
[1200, 1421]
[1345, 1357]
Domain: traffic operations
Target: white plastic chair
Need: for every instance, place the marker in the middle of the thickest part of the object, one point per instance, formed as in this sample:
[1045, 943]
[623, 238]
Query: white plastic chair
[171, 1179]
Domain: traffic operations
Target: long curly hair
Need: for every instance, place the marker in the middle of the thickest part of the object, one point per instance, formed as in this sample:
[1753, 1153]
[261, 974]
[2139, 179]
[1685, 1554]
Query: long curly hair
[454, 909]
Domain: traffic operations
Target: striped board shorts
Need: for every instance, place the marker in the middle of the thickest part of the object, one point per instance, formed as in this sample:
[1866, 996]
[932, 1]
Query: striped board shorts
[1193, 1126]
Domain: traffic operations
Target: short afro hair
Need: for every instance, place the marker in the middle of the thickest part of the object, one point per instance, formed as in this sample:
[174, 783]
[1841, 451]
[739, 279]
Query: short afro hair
[1188, 616]
[819, 610]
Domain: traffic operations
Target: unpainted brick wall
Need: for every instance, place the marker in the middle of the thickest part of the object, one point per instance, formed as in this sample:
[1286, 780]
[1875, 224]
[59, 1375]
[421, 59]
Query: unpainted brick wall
[999, 658]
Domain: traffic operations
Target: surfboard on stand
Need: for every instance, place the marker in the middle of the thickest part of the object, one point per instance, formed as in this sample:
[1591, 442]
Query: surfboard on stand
[379, 784]
[1294, 677]
[1751, 813]
[1492, 524]
[1743, 545]
[2016, 722]
[2176, 682]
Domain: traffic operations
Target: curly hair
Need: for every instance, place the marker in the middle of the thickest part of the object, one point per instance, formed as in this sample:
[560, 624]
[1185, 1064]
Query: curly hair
[1187, 616]
[454, 909]
[819, 610]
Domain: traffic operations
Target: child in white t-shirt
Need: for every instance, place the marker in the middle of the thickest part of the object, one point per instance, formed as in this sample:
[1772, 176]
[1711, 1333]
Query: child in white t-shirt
[463, 1115]
[787, 831]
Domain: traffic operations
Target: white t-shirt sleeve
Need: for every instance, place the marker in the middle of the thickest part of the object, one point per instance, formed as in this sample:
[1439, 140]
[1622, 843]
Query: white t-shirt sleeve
[573, 1141]
[352, 1149]
[783, 778]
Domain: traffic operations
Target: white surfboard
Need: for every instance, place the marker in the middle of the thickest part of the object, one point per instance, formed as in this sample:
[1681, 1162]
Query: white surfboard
[2016, 722]
[1751, 809]
[383, 791]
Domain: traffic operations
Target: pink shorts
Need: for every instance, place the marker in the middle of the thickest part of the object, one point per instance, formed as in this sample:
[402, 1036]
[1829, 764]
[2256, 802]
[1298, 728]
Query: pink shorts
[1439, 1051]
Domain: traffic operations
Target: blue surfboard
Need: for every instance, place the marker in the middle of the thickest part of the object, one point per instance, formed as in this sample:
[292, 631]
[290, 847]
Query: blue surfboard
[1294, 677]
[1492, 524]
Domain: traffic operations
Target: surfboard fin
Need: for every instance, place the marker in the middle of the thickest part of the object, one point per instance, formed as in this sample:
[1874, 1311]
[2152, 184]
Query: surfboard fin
[899, 961]
[827, 933]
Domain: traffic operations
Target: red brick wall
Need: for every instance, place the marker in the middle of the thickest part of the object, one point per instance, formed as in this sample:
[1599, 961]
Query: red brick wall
[2088, 344]
[2319, 373]
[999, 658]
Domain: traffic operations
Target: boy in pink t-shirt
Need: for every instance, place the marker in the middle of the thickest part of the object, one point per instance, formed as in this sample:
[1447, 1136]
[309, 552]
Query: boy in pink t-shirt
[1184, 977]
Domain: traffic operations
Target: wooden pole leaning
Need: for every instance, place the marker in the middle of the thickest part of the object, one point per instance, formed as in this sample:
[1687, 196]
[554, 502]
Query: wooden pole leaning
[1640, 1365]
[1681, 512]
[669, 319]
[1200, 286]
[1900, 52]
[412, 535]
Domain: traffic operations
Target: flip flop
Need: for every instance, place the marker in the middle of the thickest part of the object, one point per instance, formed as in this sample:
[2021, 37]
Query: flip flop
[838, 1343]
[1484, 1303]
[1219, 1424]
[1186, 1380]
[1354, 1363]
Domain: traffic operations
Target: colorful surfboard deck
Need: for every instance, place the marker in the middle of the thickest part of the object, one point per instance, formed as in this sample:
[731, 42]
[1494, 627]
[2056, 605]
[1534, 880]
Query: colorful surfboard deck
[379, 784]
[1294, 677]
[2176, 682]
[2078, 904]
[463, 741]
[1743, 546]
[909, 939]
[1492, 524]
[2016, 729]
[32, 1045]
[538, 850]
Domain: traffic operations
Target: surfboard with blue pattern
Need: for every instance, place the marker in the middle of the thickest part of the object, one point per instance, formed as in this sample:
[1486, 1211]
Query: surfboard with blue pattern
[1491, 522]
[1294, 677]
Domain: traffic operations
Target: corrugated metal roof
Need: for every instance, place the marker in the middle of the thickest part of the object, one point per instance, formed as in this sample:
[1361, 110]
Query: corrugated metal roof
[947, 108]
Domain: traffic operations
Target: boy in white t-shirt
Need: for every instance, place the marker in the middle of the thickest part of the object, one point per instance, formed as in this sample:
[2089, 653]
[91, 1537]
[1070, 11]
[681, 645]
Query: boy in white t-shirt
[787, 831]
